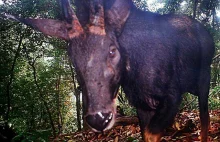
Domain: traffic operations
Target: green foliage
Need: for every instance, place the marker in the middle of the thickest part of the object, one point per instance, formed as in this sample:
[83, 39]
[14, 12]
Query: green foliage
[127, 109]
[214, 98]
[43, 8]
[141, 4]
[28, 113]
[131, 139]
[190, 102]
[36, 136]
[53, 84]
[171, 6]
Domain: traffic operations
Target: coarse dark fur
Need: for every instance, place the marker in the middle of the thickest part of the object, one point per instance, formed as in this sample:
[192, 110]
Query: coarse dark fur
[164, 57]
[155, 58]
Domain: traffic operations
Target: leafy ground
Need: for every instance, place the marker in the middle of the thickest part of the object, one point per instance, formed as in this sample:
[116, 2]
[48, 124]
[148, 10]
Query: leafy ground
[186, 128]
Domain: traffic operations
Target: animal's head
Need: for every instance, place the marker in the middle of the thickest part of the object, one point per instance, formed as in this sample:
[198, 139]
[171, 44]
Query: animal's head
[94, 52]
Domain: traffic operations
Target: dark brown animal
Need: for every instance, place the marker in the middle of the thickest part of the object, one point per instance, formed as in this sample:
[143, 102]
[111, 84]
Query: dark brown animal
[155, 58]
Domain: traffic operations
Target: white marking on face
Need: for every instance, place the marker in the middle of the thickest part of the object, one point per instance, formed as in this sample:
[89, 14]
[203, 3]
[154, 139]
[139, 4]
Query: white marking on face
[96, 19]
[128, 67]
[110, 117]
[90, 62]
[100, 114]
[112, 122]
[102, 42]
[106, 73]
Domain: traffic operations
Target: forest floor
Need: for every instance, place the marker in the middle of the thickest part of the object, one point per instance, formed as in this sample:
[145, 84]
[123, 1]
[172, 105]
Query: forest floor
[186, 128]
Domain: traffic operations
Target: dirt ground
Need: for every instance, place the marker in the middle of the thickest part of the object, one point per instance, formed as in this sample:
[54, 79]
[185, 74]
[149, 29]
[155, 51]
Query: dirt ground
[186, 128]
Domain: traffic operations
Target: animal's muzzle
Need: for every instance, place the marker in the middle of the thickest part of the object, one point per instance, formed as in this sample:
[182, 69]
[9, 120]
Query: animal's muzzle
[99, 121]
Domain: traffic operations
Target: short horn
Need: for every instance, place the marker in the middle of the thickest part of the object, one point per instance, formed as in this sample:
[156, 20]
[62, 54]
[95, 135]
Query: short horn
[97, 21]
[71, 18]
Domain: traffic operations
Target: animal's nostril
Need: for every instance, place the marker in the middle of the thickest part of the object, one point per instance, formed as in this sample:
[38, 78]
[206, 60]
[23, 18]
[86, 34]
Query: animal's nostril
[99, 121]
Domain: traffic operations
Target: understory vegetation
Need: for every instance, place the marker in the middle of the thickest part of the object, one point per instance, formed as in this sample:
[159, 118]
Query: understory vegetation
[39, 94]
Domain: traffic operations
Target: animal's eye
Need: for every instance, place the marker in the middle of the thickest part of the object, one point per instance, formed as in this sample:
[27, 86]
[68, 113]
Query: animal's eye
[112, 51]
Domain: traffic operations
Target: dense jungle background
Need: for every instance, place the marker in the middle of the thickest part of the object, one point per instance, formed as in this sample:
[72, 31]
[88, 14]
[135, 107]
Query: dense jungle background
[40, 99]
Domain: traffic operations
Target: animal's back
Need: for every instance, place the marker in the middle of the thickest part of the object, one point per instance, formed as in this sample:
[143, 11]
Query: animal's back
[162, 52]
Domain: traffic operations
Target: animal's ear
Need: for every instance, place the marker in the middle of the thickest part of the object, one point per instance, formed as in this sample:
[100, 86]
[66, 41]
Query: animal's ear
[50, 27]
[117, 12]
[66, 30]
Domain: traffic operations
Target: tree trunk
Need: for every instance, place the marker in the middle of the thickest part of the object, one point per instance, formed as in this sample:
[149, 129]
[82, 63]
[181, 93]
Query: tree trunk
[78, 108]
[126, 120]
[43, 100]
[32, 64]
[77, 95]
[8, 87]
[59, 116]
[195, 8]
[84, 105]
[213, 17]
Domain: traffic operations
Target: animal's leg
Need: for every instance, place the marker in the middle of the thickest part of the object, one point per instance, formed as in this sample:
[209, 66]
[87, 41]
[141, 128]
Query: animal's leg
[204, 84]
[144, 119]
[154, 122]
[150, 137]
